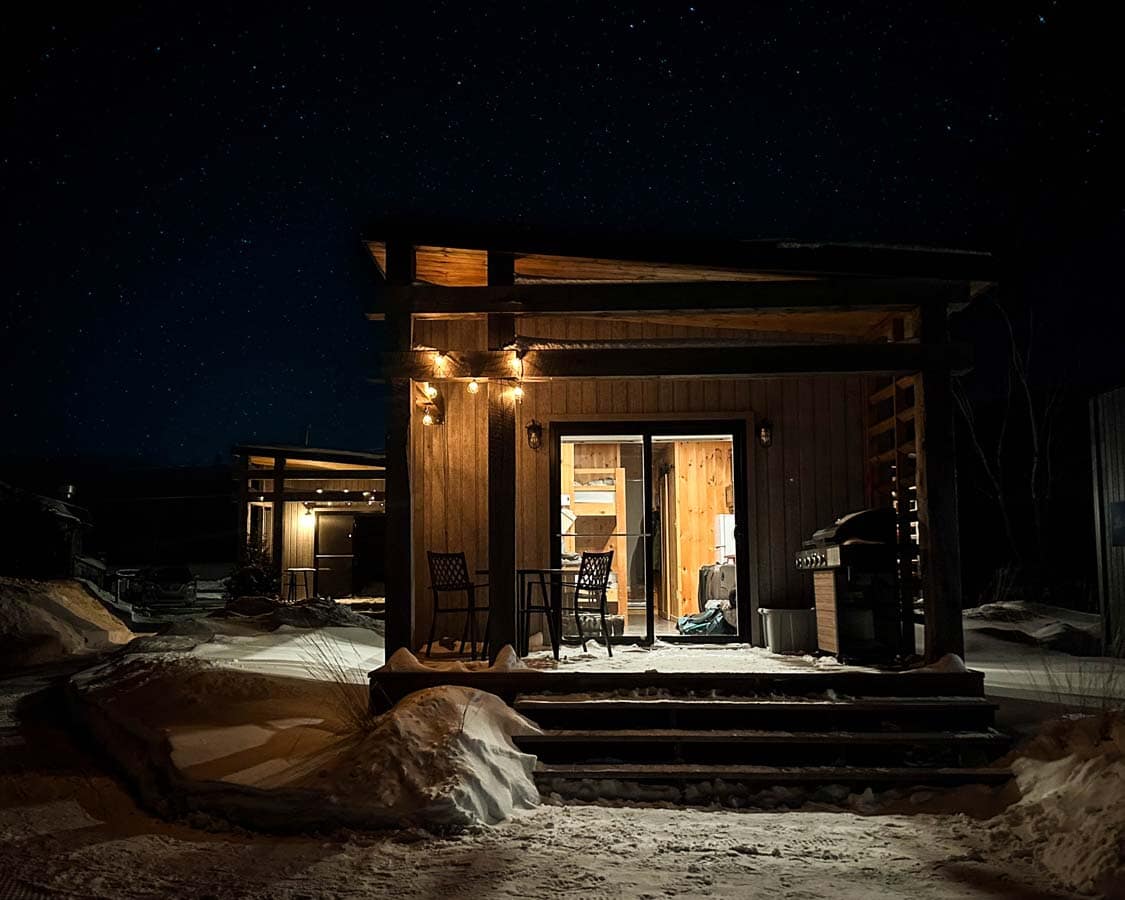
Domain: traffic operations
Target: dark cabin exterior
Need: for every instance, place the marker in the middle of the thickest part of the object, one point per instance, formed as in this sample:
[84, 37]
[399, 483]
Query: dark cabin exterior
[1107, 441]
[619, 351]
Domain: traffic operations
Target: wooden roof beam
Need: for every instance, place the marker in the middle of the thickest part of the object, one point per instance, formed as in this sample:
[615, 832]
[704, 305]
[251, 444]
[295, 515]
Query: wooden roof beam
[648, 363]
[539, 299]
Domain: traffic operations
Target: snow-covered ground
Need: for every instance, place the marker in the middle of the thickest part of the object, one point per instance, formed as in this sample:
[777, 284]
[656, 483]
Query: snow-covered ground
[259, 712]
[580, 852]
[1013, 644]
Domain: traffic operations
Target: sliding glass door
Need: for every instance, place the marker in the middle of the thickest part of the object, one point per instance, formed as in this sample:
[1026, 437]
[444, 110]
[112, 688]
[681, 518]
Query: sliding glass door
[666, 499]
[602, 506]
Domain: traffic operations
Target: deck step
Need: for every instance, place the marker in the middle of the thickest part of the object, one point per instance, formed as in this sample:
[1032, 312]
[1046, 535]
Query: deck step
[531, 702]
[792, 714]
[748, 736]
[550, 776]
[765, 747]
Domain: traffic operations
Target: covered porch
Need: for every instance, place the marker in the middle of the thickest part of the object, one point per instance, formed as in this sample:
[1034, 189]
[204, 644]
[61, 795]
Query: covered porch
[501, 377]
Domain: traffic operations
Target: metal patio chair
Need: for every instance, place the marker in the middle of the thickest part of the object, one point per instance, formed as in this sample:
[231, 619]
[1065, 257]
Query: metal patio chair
[590, 588]
[449, 574]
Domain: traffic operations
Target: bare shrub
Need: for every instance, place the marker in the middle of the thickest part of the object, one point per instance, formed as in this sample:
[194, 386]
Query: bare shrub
[350, 698]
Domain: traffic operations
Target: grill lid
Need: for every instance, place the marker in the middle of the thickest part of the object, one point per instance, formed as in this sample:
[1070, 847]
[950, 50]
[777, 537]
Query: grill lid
[875, 526]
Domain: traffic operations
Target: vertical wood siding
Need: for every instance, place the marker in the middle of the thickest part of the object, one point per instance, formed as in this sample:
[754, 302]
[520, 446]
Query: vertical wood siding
[813, 473]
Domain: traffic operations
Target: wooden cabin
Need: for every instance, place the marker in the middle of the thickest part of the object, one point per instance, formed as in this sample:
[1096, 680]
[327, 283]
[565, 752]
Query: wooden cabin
[319, 514]
[700, 407]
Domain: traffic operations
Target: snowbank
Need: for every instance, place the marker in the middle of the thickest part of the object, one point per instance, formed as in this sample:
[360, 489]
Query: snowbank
[1071, 815]
[45, 621]
[1039, 625]
[197, 737]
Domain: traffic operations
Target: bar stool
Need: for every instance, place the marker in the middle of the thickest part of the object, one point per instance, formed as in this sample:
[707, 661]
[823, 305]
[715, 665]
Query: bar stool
[528, 606]
[291, 593]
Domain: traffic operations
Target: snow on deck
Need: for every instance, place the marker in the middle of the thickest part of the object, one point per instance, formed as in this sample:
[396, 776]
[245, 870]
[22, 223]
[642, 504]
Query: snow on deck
[668, 657]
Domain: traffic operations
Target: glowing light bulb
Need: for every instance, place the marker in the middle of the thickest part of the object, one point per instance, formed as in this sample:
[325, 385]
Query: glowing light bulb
[517, 392]
[427, 418]
[430, 390]
[474, 386]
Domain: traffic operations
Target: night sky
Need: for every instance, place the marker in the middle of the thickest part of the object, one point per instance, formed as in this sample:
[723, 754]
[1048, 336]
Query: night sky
[183, 194]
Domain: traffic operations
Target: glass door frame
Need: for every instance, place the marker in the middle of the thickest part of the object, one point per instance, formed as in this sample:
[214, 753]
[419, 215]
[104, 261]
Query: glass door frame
[646, 429]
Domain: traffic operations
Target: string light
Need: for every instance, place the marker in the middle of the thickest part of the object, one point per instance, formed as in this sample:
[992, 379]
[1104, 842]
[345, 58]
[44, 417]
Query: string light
[428, 417]
[430, 390]
[474, 386]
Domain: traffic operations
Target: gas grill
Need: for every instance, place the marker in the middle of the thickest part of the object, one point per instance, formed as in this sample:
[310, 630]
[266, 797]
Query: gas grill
[853, 563]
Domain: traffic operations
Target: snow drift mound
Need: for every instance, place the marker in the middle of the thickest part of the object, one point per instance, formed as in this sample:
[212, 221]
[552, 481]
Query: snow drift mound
[442, 756]
[285, 753]
[45, 621]
[1071, 816]
[1038, 625]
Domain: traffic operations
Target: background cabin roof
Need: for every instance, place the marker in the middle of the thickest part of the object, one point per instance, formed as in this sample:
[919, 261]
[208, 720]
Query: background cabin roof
[358, 458]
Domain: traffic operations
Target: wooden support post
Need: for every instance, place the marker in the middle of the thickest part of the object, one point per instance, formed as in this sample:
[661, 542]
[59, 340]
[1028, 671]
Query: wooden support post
[278, 517]
[938, 532]
[501, 494]
[399, 544]
[501, 268]
[242, 467]
[399, 559]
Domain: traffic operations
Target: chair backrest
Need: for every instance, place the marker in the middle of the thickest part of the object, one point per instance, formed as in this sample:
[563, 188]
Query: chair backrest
[593, 571]
[448, 571]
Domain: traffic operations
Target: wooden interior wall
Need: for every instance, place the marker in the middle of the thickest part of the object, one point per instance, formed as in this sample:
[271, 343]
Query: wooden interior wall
[813, 472]
[703, 477]
[297, 539]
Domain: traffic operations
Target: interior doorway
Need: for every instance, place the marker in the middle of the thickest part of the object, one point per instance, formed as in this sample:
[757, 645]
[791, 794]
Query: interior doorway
[668, 499]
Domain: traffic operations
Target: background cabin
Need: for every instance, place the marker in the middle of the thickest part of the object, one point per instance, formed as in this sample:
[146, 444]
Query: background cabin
[317, 510]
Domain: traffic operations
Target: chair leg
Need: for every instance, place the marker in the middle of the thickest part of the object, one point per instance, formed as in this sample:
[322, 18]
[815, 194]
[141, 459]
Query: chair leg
[486, 639]
[465, 634]
[433, 628]
[523, 619]
[549, 615]
[472, 624]
[605, 629]
[578, 622]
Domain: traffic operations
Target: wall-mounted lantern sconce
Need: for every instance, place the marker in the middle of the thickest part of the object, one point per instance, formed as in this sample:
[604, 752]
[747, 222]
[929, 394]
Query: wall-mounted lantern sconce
[765, 433]
[534, 435]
